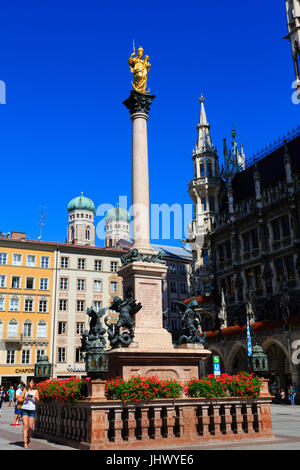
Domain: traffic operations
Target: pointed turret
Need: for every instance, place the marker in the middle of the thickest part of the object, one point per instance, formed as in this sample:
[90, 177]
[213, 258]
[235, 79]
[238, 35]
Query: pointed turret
[204, 143]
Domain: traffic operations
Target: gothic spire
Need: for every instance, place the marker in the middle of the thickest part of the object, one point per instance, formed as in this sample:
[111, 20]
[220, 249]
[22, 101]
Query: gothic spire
[204, 143]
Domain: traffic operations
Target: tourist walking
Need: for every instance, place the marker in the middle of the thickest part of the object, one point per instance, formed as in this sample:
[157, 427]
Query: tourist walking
[18, 406]
[28, 399]
[11, 394]
[292, 394]
[2, 396]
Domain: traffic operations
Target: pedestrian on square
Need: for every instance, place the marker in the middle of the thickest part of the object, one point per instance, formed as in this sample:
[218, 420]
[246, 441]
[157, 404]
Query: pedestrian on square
[282, 395]
[11, 394]
[292, 394]
[2, 396]
[18, 406]
[28, 399]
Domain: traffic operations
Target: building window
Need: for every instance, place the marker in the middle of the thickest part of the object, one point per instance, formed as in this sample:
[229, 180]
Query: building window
[62, 327]
[97, 305]
[182, 269]
[3, 258]
[43, 306]
[14, 304]
[29, 282]
[41, 329]
[79, 328]
[279, 269]
[17, 259]
[98, 265]
[1, 329]
[276, 230]
[290, 267]
[12, 331]
[209, 170]
[78, 355]
[30, 260]
[203, 204]
[81, 263]
[183, 288]
[173, 307]
[246, 241]
[10, 357]
[61, 355]
[39, 353]
[15, 282]
[172, 268]
[202, 171]
[45, 261]
[285, 223]
[258, 277]
[173, 287]
[64, 263]
[113, 286]
[205, 257]
[2, 280]
[80, 284]
[62, 305]
[221, 252]
[254, 239]
[63, 283]
[28, 305]
[228, 250]
[114, 266]
[80, 305]
[44, 283]
[25, 358]
[87, 234]
[97, 285]
[211, 201]
[1, 304]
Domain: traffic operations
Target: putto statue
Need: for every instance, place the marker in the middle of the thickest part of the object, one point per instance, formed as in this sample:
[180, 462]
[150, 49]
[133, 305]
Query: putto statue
[127, 309]
[192, 323]
[140, 69]
[95, 336]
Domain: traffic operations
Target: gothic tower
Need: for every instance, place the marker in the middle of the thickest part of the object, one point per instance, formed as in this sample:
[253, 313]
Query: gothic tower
[203, 190]
[293, 22]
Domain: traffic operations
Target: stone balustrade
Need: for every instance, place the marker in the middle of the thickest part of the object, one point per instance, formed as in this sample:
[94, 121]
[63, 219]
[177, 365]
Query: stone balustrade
[164, 423]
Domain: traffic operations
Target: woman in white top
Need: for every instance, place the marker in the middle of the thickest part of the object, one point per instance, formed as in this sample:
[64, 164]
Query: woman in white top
[28, 399]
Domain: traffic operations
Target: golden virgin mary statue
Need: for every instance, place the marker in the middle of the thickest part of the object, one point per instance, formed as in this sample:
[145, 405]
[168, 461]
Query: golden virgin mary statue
[140, 69]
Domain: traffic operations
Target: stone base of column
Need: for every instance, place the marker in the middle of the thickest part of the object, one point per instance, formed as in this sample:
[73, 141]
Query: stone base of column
[145, 279]
[180, 365]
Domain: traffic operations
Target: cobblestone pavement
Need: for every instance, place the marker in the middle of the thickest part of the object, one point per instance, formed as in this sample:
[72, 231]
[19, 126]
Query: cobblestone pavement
[285, 420]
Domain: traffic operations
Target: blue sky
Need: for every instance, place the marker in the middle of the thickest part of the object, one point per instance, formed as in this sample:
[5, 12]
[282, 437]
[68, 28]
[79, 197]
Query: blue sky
[65, 130]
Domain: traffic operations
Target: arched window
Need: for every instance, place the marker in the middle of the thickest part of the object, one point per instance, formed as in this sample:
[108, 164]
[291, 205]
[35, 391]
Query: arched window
[72, 233]
[87, 234]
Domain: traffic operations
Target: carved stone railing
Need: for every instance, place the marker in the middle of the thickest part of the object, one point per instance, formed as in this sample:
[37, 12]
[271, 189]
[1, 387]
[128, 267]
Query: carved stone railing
[162, 423]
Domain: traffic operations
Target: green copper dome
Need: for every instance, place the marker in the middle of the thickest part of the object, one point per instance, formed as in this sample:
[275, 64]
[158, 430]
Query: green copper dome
[81, 203]
[117, 214]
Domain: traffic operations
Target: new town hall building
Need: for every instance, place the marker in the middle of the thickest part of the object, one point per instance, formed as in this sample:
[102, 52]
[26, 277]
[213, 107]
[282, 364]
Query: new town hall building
[245, 238]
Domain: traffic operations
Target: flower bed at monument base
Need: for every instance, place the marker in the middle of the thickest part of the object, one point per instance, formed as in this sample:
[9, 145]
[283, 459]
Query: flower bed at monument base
[66, 390]
[141, 389]
[242, 385]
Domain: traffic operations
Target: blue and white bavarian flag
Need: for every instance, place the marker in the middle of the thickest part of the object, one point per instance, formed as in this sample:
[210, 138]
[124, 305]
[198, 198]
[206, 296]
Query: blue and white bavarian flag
[249, 339]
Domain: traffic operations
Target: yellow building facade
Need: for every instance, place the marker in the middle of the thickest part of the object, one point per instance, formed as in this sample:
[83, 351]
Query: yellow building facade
[26, 286]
